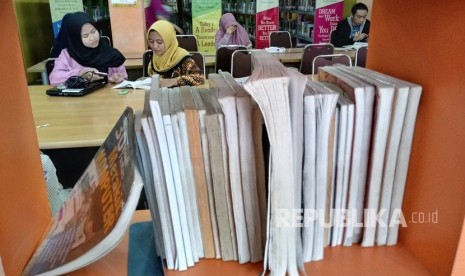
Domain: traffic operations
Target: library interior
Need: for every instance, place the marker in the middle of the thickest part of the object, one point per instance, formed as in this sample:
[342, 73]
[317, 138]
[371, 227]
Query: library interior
[208, 174]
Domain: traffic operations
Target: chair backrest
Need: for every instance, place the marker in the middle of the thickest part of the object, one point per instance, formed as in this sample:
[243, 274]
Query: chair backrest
[146, 58]
[106, 39]
[188, 42]
[361, 56]
[241, 63]
[310, 52]
[325, 60]
[199, 60]
[280, 39]
[49, 64]
[223, 57]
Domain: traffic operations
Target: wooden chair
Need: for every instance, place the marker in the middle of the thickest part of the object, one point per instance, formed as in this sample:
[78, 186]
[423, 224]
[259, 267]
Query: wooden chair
[106, 39]
[223, 57]
[280, 39]
[188, 42]
[361, 56]
[199, 60]
[146, 58]
[326, 60]
[309, 54]
[241, 63]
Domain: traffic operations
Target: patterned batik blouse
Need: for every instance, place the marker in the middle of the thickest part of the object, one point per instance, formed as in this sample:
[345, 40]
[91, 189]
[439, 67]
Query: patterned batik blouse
[186, 72]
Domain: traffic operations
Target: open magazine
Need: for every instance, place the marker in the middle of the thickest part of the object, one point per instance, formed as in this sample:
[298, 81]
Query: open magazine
[99, 209]
[142, 83]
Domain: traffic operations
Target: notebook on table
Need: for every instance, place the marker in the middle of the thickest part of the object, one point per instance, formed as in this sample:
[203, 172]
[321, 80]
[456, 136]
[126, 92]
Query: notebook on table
[82, 90]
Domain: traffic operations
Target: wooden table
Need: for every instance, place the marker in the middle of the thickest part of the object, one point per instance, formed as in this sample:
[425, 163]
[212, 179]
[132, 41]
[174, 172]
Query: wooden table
[294, 55]
[73, 122]
[76, 122]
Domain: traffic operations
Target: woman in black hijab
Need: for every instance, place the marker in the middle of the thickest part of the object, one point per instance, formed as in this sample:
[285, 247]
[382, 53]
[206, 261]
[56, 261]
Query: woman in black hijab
[84, 54]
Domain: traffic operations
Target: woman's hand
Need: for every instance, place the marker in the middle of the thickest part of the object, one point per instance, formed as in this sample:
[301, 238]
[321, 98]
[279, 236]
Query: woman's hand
[116, 78]
[231, 29]
[90, 74]
[168, 82]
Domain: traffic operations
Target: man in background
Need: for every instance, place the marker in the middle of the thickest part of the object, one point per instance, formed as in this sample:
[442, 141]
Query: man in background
[354, 28]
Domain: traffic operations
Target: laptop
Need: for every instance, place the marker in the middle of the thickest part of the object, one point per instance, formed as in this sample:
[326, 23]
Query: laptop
[85, 89]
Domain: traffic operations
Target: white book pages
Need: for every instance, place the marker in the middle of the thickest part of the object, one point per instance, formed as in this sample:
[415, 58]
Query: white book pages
[329, 211]
[227, 100]
[161, 194]
[180, 255]
[257, 132]
[363, 115]
[191, 124]
[269, 86]
[176, 170]
[325, 105]
[405, 145]
[178, 119]
[342, 157]
[347, 138]
[207, 166]
[403, 160]
[229, 201]
[218, 160]
[297, 85]
[145, 167]
[309, 177]
[397, 121]
[247, 164]
[249, 186]
[381, 129]
[341, 126]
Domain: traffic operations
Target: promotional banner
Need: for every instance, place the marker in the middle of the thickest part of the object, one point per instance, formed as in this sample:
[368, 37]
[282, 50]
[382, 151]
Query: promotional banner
[58, 8]
[327, 14]
[206, 15]
[266, 21]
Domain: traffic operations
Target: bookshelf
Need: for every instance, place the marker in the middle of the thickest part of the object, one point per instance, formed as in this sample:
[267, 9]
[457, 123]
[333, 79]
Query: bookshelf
[297, 17]
[436, 171]
[186, 22]
[99, 11]
[244, 12]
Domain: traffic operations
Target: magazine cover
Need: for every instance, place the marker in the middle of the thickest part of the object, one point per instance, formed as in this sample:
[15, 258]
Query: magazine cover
[97, 206]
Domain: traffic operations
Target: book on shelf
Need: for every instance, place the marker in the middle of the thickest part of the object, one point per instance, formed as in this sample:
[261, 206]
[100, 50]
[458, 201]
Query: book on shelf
[142, 83]
[178, 121]
[192, 118]
[269, 86]
[248, 172]
[319, 106]
[199, 104]
[176, 242]
[99, 209]
[339, 147]
[227, 101]
[218, 155]
[406, 103]
[384, 95]
[343, 152]
[363, 97]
